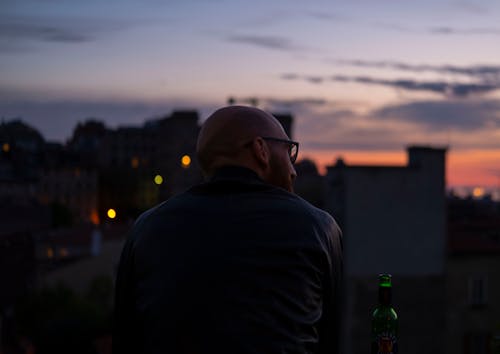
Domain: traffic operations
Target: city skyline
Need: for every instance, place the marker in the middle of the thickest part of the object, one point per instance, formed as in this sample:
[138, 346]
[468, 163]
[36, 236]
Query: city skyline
[362, 80]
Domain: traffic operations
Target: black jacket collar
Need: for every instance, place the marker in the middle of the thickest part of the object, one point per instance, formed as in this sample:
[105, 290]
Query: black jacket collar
[235, 173]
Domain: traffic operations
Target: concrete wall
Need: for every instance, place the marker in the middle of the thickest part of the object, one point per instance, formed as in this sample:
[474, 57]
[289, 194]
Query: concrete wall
[394, 221]
[393, 218]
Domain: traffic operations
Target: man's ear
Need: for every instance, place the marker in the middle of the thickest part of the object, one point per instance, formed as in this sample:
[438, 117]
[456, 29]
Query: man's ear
[261, 152]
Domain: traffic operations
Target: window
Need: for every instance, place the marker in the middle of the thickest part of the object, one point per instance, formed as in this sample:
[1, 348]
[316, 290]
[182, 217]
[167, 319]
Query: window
[477, 343]
[478, 287]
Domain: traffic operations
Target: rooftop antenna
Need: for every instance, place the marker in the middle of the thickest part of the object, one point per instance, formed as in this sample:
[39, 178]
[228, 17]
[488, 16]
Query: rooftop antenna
[252, 101]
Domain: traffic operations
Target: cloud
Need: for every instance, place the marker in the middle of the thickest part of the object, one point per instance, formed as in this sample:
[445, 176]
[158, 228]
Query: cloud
[444, 88]
[19, 33]
[40, 32]
[471, 124]
[464, 116]
[393, 27]
[464, 31]
[293, 102]
[440, 87]
[438, 30]
[483, 72]
[470, 7]
[290, 76]
[268, 42]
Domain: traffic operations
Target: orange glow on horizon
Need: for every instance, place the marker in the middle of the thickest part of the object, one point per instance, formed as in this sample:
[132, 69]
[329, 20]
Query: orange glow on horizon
[463, 167]
[324, 159]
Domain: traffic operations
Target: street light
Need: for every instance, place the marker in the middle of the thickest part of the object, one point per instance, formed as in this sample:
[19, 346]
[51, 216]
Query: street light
[111, 213]
[158, 179]
[186, 161]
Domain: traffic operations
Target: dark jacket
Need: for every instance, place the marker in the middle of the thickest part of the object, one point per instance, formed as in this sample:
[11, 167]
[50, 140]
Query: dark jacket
[234, 265]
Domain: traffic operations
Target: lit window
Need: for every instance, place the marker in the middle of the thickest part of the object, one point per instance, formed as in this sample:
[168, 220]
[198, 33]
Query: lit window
[94, 217]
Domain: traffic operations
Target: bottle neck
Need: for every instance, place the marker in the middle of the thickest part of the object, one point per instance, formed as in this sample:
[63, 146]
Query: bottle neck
[384, 295]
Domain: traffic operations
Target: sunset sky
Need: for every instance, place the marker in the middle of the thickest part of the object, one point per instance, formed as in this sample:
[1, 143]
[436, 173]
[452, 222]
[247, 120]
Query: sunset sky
[362, 78]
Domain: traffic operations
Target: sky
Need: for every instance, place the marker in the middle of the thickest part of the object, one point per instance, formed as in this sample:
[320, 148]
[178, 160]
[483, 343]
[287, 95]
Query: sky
[363, 79]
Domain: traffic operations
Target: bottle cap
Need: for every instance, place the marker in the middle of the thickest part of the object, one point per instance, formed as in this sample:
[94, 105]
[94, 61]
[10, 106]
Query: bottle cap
[384, 280]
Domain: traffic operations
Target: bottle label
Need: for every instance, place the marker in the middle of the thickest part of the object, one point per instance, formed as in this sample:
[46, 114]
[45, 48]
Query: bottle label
[385, 343]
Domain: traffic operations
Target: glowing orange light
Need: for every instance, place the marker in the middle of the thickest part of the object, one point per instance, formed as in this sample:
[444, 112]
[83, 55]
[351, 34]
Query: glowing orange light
[478, 192]
[50, 252]
[111, 213]
[5, 147]
[94, 217]
[158, 179]
[134, 162]
[186, 161]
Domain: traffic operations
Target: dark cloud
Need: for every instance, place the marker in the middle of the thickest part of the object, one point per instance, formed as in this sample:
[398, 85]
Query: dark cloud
[292, 103]
[20, 33]
[440, 87]
[290, 76]
[444, 88]
[268, 42]
[315, 79]
[465, 116]
[465, 31]
[483, 72]
[463, 125]
[344, 129]
[20, 30]
[438, 30]
[393, 27]
[354, 141]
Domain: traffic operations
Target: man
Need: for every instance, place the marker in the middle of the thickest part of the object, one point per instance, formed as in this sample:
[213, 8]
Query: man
[235, 265]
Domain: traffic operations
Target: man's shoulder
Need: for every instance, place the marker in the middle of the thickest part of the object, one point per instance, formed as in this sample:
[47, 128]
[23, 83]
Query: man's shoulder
[299, 206]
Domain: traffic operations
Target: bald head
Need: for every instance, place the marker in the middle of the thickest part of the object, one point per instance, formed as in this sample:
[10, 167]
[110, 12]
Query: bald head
[224, 135]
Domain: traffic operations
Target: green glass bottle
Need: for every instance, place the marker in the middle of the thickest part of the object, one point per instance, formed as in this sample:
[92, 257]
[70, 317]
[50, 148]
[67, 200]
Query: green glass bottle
[384, 320]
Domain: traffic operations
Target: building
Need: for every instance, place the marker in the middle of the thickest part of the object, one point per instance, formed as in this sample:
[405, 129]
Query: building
[72, 188]
[473, 277]
[151, 163]
[18, 269]
[394, 221]
[309, 184]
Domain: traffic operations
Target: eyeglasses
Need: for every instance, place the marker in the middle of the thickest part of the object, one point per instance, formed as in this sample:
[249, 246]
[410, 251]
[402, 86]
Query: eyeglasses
[293, 147]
